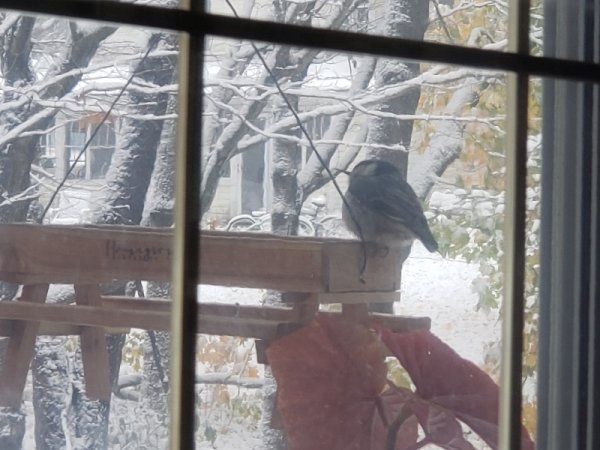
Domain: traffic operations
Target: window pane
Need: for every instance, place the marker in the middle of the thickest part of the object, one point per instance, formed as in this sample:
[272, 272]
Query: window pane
[100, 353]
[474, 24]
[533, 219]
[445, 128]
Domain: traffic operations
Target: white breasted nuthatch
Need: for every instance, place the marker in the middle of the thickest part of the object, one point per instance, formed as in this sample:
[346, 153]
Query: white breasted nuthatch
[385, 207]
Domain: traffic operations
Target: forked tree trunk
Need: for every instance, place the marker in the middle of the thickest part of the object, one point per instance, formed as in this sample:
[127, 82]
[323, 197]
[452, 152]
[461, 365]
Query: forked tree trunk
[158, 212]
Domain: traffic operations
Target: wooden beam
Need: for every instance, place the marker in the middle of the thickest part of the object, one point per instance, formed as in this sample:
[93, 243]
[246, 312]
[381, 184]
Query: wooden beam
[223, 319]
[340, 297]
[94, 354]
[93, 254]
[55, 329]
[401, 324]
[20, 348]
[263, 261]
[87, 316]
[344, 263]
[82, 254]
[227, 320]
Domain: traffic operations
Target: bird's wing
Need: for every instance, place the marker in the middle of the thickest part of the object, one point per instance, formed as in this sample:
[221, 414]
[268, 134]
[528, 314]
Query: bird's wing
[398, 203]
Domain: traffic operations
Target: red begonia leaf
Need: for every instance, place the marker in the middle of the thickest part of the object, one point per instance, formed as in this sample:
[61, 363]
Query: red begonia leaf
[441, 376]
[440, 425]
[330, 378]
[393, 404]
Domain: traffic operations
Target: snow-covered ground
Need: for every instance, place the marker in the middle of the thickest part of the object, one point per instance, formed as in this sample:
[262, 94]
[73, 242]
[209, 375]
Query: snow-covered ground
[441, 289]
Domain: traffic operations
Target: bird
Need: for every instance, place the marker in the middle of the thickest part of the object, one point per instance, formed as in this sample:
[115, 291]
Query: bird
[381, 207]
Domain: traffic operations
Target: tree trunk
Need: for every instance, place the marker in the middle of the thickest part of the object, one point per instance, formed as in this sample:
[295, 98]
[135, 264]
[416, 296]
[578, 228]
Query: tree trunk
[445, 145]
[87, 420]
[158, 212]
[18, 152]
[129, 177]
[130, 172]
[222, 148]
[50, 392]
[12, 428]
[287, 200]
[406, 19]
[312, 176]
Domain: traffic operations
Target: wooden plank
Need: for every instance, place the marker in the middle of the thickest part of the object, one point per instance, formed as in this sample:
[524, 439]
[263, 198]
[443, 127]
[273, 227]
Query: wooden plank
[19, 351]
[226, 310]
[56, 329]
[344, 263]
[230, 320]
[78, 255]
[87, 254]
[341, 297]
[262, 261]
[94, 354]
[136, 303]
[222, 319]
[401, 324]
[88, 316]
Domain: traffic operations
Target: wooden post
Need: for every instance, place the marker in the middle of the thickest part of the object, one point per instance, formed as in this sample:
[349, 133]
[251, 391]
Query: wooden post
[19, 352]
[94, 355]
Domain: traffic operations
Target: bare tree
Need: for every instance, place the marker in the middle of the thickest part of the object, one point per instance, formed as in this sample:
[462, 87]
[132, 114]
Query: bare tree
[23, 115]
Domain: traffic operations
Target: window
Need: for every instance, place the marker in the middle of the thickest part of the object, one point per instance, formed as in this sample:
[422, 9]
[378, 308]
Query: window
[76, 137]
[316, 128]
[99, 151]
[544, 182]
[48, 152]
[102, 147]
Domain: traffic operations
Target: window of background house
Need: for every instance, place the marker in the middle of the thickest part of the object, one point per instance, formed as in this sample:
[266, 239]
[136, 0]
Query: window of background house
[102, 147]
[75, 140]
[48, 152]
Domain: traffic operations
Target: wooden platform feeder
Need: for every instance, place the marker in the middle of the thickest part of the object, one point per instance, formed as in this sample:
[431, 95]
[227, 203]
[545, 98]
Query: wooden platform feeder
[308, 271]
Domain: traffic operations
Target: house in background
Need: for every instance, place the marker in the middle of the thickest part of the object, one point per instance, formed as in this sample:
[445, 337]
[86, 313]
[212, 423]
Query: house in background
[60, 147]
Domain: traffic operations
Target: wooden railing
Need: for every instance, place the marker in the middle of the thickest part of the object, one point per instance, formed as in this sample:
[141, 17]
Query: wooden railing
[308, 271]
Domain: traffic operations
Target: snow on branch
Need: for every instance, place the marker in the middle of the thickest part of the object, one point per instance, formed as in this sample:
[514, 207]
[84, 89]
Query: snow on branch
[28, 194]
[445, 145]
[8, 21]
[41, 86]
[364, 100]
[490, 121]
[26, 125]
[229, 379]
